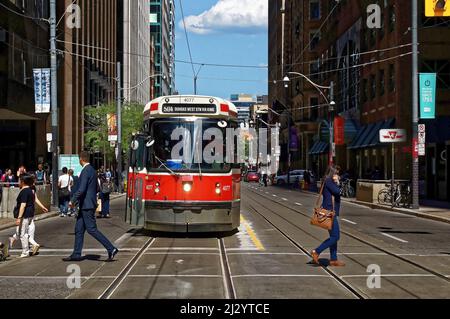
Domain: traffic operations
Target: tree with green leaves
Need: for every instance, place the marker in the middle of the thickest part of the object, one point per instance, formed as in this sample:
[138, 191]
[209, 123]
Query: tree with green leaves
[96, 129]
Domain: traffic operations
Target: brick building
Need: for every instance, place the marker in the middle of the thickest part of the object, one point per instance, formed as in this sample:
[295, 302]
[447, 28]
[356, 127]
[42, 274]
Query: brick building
[371, 69]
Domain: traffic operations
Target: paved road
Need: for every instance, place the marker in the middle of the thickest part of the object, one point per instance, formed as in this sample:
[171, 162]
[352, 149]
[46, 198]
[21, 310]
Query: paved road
[266, 258]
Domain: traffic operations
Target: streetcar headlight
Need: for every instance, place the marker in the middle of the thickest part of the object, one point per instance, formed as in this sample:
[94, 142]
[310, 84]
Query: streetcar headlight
[218, 190]
[157, 190]
[187, 187]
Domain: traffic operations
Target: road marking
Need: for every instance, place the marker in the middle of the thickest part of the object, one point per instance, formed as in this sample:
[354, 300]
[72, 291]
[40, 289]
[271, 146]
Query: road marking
[277, 275]
[252, 234]
[298, 204]
[368, 254]
[274, 195]
[43, 250]
[123, 238]
[180, 253]
[268, 254]
[243, 249]
[173, 276]
[348, 221]
[396, 238]
[285, 199]
[182, 248]
[267, 193]
[389, 275]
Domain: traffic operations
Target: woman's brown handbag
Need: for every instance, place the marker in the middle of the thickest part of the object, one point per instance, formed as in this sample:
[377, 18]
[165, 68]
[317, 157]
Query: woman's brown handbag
[323, 218]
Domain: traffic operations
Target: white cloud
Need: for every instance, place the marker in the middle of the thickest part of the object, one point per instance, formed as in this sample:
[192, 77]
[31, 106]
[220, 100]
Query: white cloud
[239, 16]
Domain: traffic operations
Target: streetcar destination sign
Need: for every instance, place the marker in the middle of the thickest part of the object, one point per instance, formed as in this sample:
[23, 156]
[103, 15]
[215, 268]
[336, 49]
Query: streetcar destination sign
[189, 109]
[393, 136]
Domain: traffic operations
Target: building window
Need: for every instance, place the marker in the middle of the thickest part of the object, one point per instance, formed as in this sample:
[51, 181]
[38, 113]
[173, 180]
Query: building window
[314, 38]
[382, 82]
[373, 87]
[392, 19]
[314, 109]
[364, 91]
[314, 10]
[391, 78]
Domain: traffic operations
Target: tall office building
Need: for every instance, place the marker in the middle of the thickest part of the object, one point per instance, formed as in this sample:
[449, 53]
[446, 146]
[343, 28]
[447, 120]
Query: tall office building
[162, 27]
[136, 46]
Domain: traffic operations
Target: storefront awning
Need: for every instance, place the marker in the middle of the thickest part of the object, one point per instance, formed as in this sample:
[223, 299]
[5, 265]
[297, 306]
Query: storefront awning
[368, 136]
[8, 115]
[319, 148]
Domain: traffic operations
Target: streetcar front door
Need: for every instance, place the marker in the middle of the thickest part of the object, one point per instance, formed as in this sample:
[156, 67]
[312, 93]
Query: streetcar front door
[137, 173]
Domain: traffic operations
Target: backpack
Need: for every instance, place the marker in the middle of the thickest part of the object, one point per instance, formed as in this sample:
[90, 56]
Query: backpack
[40, 176]
[107, 188]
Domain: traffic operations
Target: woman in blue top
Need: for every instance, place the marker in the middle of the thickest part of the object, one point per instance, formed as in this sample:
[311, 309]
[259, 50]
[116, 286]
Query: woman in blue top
[331, 191]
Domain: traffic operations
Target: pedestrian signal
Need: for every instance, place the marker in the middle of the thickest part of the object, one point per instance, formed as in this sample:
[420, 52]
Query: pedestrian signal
[437, 8]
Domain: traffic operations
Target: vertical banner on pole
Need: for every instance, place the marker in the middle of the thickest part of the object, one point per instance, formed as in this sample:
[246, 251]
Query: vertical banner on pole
[112, 127]
[42, 86]
[339, 136]
[427, 95]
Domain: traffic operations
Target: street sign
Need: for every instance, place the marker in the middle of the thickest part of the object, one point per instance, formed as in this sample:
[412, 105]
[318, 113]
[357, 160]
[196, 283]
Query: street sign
[437, 8]
[42, 90]
[422, 151]
[422, 138]
[427, 95]
[422, 128]
[393, 136]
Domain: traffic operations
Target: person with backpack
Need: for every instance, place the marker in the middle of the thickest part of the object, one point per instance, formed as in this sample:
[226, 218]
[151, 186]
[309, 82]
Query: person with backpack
[105, 187]
[41, 175]
[65, 183]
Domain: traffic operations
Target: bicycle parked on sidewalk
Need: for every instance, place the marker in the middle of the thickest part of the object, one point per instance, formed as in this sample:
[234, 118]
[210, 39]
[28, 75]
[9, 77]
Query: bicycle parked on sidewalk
[347, 189]
[400, 192]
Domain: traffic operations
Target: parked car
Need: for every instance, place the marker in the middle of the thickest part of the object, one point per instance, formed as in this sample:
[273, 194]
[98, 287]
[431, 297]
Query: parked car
[252, 176]
[295, 176]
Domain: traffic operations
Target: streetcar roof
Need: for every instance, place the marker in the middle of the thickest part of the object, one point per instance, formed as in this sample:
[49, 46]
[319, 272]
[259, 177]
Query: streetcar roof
[190, 105]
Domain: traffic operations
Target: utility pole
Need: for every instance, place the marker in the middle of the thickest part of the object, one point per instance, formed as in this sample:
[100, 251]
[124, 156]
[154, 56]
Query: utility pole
[283, 33]
[54, 100]
[119, 128]
[415, 107]
[331, 160]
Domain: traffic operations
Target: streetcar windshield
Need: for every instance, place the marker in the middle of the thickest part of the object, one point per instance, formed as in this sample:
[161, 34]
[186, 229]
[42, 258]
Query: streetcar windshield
[184, 145]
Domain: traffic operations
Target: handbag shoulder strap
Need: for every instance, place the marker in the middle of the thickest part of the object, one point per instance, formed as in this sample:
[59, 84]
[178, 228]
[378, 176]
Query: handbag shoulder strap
[320, 194]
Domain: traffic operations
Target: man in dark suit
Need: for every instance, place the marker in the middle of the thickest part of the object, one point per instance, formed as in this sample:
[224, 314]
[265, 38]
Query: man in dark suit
[85, 197]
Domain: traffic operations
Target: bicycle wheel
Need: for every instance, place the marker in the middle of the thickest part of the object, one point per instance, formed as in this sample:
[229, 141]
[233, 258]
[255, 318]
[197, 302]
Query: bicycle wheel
[384, 197]
[350, 192]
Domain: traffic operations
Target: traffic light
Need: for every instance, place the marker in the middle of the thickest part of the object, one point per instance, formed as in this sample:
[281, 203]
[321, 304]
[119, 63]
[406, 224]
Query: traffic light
[437, 8]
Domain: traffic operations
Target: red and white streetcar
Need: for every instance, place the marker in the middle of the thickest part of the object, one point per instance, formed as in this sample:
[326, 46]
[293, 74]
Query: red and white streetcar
[186, 193]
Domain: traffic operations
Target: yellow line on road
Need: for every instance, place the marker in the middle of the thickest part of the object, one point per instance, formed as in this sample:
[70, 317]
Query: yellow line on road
[252, 234]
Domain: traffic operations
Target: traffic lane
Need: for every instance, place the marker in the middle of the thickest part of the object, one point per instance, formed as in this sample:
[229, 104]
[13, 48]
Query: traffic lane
[59, 233]
[265, 264]
[435, 256]
[413, 234]
[26, 277]
[394, 273]
[178, 267]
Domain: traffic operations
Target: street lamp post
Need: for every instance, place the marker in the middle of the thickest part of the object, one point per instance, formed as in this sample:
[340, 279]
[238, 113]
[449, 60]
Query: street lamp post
[329, 101]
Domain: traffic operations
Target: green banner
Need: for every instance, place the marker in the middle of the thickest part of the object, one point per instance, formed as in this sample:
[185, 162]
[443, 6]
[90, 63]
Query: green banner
[427, 95]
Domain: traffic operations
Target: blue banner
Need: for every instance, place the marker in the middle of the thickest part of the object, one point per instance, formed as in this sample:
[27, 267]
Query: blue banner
[42, 86]
[427, 95]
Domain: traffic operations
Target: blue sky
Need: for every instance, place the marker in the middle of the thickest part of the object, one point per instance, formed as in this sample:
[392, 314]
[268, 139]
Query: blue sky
[222, 32]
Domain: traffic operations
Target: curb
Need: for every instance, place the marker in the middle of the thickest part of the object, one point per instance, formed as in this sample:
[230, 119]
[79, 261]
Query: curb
[395, 210]
[47, 215]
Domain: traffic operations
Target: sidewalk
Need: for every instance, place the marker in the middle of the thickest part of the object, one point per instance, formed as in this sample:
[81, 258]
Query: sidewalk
[6, 223]
[428, 212]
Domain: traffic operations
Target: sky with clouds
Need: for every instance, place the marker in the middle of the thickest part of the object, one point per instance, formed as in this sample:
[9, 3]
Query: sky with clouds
[222, 32]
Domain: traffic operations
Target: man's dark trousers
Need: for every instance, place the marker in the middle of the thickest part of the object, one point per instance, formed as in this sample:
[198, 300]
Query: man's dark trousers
[86, 222]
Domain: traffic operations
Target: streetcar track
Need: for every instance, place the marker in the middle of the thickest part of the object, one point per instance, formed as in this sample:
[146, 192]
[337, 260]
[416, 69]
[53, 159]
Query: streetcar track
[115, 284]
[410, 262]
[356, 293]
[230, 292]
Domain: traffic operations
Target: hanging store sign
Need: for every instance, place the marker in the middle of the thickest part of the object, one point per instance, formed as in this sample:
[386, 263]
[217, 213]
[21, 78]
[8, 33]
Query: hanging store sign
[427, 95]
[42, 85]
[393, 136]
[339, 134]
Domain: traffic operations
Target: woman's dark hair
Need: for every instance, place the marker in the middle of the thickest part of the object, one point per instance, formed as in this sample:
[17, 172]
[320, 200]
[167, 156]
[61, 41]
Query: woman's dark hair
[64, 170]
[27, 179]
[332, 170]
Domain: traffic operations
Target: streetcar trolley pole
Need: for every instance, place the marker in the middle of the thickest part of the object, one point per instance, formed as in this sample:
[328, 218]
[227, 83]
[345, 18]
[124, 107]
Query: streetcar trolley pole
[393, 136]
